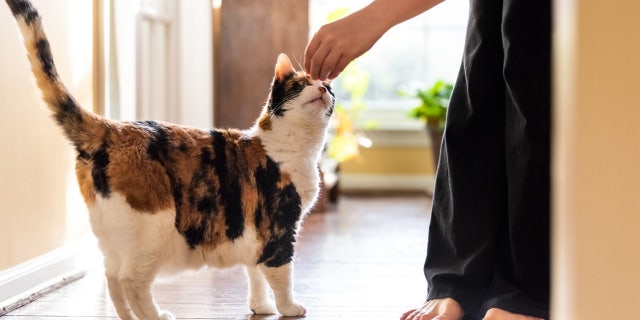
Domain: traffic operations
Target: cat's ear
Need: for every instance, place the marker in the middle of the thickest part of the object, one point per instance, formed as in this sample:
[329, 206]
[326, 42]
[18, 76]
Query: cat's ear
[283, 67]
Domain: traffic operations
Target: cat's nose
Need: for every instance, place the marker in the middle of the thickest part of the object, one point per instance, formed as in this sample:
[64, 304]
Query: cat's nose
[322, 89]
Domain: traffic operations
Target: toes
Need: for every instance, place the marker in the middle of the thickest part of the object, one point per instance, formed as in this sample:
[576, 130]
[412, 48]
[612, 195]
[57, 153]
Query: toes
[265, 308]
[293, 310]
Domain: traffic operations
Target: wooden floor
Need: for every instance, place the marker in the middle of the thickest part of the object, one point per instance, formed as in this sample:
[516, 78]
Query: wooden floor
[360, 260]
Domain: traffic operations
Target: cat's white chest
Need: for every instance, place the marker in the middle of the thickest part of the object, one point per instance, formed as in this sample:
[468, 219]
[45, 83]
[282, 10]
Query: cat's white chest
[297, 157]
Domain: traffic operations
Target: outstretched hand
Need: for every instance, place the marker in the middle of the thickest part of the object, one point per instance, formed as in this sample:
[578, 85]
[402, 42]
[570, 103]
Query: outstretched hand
[338, 43]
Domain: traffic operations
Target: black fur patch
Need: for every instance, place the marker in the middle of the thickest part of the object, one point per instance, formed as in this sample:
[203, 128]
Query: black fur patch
[328, 87]
[279, 94]
[284, 208]
[207, 203]
[23, 8]
[68, 111]
[46, 58]
[195, 235]
[82, 155]
[230, 191]
[99, 172]
[158, 148]
[258, 216]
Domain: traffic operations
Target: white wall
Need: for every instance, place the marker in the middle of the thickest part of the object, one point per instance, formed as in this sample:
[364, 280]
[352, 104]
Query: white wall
[40, 208]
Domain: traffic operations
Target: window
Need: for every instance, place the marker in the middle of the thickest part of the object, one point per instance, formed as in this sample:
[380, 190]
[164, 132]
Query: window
[413, 54]
[157, 60]
[136, 45]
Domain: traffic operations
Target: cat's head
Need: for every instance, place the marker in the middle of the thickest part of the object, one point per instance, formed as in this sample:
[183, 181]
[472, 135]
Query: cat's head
[296, 99]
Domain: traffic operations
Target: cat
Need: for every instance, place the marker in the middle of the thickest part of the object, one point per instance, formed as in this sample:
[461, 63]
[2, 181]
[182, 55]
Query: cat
[163, 197]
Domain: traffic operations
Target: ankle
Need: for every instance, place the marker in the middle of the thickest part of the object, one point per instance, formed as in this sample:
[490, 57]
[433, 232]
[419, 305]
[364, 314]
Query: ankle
[501, 314]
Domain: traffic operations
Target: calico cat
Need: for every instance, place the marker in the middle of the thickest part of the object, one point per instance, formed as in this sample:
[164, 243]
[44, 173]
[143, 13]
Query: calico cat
[164, 197]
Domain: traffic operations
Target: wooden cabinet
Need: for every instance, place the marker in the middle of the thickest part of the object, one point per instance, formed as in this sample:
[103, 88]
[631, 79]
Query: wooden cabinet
[250, 34]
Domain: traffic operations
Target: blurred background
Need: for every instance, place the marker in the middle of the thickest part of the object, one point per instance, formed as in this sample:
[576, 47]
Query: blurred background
[209, 63]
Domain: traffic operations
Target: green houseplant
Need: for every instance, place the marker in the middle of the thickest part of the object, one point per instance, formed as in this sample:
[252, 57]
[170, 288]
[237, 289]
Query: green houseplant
[433, 112]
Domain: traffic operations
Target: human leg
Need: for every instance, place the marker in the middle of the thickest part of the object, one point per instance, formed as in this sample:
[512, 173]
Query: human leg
[521, 278]
[470, 193]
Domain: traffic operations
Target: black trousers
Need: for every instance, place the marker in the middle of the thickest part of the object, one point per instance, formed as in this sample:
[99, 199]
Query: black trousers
[489, 231]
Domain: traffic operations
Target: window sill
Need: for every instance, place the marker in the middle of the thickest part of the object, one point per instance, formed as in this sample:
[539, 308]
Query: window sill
[393, 126]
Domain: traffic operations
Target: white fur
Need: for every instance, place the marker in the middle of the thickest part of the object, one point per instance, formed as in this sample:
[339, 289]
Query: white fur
[297, 145]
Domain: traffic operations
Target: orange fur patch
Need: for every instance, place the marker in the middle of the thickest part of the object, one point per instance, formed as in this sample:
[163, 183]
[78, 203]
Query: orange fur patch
[265, 122]
[85, 181]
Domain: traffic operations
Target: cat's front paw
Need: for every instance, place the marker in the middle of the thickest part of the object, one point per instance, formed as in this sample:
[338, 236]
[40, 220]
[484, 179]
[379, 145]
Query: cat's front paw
[261, 304]
[263, 308]
[292, 310]
[166, 315]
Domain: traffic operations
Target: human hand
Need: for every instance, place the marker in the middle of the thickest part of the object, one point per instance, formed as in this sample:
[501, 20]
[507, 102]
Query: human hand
[338, 43]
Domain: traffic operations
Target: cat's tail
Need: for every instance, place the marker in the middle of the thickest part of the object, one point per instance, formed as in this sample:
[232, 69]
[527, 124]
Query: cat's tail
[80, 126]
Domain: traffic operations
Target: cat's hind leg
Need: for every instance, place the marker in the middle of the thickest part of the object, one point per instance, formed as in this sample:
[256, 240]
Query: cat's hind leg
[281, 281]
[136, 276]
[112, 267]
[259, 301]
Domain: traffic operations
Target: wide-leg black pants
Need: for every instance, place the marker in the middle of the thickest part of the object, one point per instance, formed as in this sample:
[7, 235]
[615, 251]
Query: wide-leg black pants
[489, 232]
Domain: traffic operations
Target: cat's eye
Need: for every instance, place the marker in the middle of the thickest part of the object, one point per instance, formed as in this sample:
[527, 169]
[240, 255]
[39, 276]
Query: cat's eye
[300, 84]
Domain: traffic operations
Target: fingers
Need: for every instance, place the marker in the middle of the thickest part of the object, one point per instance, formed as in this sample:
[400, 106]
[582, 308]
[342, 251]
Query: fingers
[405, 316]
[327, 54]
[315, 62]
[329, 65]
[310, 51]
[339, 67]
[325, 63]
[320, 59]
[336, 44]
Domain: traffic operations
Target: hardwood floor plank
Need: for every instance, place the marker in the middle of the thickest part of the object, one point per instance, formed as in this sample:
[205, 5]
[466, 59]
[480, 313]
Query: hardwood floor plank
[361, 260]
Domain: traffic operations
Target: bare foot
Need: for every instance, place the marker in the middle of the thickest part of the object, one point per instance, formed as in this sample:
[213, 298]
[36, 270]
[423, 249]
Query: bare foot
[437, 309]
[499, 314]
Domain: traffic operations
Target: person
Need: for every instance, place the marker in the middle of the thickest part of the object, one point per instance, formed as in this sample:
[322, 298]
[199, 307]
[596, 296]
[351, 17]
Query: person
[488, 242]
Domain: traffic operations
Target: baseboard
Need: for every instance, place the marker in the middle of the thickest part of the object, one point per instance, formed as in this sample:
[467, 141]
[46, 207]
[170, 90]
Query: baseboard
[30, 280]
[385, 182]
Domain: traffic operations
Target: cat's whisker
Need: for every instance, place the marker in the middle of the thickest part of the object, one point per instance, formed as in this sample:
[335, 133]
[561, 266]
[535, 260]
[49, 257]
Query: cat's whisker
[299, 63]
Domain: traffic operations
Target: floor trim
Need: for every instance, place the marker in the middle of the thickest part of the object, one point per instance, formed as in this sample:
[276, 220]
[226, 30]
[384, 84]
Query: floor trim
[30, 280]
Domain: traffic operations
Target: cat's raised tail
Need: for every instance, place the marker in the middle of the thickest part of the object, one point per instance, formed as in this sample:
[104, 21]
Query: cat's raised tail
[74, 120]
